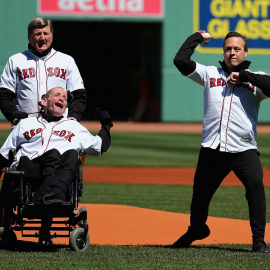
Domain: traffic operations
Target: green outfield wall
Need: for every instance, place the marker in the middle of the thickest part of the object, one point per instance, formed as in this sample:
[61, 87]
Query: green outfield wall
[180, 100]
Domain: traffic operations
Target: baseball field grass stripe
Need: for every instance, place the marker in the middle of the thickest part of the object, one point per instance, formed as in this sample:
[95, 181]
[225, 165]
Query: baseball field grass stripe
[162, 150]
[157, 150]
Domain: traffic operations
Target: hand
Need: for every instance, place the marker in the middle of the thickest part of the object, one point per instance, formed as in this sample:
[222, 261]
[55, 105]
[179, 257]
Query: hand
[104, 117]
[207, 37]
[233, 79]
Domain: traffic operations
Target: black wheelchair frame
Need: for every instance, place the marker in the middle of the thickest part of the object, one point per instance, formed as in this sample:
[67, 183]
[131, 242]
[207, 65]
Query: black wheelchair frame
[21, 214]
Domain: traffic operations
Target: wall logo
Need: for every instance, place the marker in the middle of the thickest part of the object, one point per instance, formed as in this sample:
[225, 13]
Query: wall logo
[102, 8]
[251, 18]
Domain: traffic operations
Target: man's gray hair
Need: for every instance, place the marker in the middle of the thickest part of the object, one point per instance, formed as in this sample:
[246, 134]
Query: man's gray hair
[38, 22]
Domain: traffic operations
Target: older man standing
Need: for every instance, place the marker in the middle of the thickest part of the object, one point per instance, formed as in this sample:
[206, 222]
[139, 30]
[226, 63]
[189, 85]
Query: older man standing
[29, 75]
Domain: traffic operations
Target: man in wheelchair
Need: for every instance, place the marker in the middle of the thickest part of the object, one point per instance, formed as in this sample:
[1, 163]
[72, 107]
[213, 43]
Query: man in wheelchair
[48, 147]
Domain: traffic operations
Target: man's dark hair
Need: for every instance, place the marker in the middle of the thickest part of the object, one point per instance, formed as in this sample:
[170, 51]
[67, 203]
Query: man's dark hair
[236, 34]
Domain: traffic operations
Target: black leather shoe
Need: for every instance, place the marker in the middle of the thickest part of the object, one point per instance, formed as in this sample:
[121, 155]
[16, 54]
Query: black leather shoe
[260, 247]
[191, 235]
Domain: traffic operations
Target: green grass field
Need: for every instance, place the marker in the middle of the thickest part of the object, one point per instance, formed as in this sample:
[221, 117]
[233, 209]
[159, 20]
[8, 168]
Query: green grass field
[157, 149]
[162, 150]
[147, 149]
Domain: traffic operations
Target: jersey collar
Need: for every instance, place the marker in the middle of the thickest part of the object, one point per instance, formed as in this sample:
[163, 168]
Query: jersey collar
[51, 118]
[45, 53]
[244, 65]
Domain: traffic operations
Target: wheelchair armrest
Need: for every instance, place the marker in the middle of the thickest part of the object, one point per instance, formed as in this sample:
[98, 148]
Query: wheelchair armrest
[9, 170]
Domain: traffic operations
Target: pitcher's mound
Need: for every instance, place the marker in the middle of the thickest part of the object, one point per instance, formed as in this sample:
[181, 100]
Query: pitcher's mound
[125, 225]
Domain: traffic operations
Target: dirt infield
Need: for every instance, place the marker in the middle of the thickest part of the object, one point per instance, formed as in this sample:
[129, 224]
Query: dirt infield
[159, 127]
[156, 175]
[148, 127]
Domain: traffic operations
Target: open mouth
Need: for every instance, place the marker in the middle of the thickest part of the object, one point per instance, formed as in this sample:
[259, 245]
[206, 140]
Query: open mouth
[59, 105]
[41, 44]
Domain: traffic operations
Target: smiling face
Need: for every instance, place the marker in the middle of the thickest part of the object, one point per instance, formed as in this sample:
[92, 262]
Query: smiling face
[55, 102]
[41, 38]
[234, 52]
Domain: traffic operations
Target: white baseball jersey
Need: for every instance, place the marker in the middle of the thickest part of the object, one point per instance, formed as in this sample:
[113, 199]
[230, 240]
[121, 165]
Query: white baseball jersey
[230, 112]
[35, 136]
[29, 77]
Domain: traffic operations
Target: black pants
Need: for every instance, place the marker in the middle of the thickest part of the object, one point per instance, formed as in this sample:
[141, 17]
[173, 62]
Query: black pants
[51, 172]
[213, 166]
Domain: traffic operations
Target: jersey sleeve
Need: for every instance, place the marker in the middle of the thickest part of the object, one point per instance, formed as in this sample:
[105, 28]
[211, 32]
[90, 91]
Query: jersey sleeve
[89, 143]
[199, 75]
[8, 77]
[12, 142]
[74, 80]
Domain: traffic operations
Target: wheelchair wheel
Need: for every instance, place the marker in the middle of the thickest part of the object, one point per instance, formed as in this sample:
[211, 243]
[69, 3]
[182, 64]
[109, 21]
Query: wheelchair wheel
[78, 241]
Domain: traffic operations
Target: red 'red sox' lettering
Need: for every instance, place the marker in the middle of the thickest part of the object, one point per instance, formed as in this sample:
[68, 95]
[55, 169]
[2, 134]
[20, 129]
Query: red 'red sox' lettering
[26, 73]
[249, 86]
[217, 82]
[31, 73]
[220, 82]
[31, 133]
[57, 72]
[64, 133]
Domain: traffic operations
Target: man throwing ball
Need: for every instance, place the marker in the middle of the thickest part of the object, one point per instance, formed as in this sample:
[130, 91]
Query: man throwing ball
[232, 96]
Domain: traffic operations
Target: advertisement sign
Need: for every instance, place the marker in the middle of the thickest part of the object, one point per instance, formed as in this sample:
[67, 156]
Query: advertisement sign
[251, 18]
[99, 8]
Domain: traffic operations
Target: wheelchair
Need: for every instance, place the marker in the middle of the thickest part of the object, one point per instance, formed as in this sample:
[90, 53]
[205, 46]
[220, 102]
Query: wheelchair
[20, 213]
